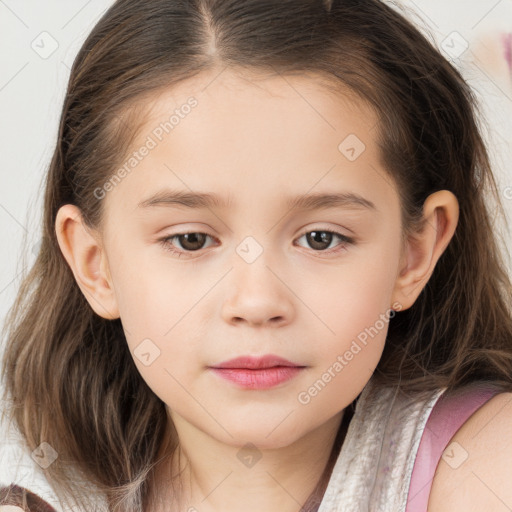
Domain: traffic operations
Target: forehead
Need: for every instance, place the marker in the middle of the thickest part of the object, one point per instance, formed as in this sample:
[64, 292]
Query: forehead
[311, 94]
[253, 137]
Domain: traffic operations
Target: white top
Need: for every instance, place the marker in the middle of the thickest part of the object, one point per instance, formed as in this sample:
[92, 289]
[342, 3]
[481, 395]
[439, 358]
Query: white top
[374, 466]
[372, 471]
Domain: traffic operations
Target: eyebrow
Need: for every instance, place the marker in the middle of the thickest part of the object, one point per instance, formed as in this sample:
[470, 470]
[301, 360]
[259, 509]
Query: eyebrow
[312, 201]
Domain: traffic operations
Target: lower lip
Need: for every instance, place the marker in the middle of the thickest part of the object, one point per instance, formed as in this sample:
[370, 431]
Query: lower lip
[258, 379]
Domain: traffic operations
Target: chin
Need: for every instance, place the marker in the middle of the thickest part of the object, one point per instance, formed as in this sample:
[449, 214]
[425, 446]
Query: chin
[266, 435]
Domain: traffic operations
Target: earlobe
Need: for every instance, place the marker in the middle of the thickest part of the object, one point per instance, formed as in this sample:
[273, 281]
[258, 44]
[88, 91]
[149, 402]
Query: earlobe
[424, 248]
[87, 260]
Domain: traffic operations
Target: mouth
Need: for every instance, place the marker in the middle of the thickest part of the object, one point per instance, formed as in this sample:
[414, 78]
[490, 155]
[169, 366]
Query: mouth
[257, 372]
[257, 363]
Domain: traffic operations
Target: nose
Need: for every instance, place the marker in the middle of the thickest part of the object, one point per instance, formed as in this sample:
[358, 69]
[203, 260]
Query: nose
[257, 295]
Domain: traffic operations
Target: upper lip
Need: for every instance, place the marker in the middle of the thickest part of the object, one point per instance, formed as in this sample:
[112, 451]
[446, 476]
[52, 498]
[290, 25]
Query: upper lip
[256, 363]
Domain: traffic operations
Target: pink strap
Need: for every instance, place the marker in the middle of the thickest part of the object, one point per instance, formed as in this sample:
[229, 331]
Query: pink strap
[448, 414]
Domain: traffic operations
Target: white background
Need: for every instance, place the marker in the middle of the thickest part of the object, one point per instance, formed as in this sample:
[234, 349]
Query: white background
[32, 90]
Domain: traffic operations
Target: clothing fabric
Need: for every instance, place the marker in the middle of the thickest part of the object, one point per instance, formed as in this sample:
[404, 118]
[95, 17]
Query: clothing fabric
[22, 480]
[15, 498]
[448, 415]
[381, 466]
[386, 463]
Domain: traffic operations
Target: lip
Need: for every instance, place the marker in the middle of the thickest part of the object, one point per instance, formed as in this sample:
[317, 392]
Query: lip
[263, 372]
[257, 363]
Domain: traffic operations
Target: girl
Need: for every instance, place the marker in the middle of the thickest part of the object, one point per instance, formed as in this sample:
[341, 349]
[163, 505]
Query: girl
[268, 278]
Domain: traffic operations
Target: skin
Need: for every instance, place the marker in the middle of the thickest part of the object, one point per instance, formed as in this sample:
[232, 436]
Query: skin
[480, 474]
[257, 139]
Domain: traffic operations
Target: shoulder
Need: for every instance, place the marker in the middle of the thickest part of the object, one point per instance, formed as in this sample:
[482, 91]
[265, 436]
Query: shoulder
[475, 471]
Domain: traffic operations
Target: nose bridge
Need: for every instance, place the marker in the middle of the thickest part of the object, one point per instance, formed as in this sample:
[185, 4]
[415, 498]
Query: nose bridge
[251, 263]
[255, 294]
[253, 236]
[259, 243]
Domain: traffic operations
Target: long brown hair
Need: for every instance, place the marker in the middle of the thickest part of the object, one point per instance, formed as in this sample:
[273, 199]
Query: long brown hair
[69, 373]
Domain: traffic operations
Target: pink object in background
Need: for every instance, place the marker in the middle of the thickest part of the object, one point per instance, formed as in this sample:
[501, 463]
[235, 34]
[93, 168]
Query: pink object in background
[490, 51]
[507, 44]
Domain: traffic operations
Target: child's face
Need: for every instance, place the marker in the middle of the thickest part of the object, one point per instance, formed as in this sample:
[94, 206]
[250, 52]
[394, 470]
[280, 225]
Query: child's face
[255, 284]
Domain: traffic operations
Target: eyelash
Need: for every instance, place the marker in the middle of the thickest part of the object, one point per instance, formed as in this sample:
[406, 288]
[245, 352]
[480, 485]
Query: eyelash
[166, 242]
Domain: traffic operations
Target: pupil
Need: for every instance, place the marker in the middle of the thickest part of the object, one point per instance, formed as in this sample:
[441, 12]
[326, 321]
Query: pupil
[196, 239]
[317, 240]
[319, 237]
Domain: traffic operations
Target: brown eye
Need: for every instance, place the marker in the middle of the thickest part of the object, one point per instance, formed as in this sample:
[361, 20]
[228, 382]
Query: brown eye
[191, 241]
[187, 242]
[320, 240]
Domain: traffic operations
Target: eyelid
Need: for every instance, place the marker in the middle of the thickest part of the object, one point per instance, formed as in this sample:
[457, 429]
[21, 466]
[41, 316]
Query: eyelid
[335, 231]
[166, 241]
[341, 247]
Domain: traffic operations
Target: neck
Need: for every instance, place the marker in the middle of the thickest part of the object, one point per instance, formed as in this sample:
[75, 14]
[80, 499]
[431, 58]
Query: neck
[313, 502]
[202, 474]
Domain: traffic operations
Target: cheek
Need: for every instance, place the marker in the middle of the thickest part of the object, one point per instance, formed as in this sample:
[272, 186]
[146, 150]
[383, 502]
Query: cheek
[161, 330]
[353, 297]
[354, 307]
[150, 314]
[350, 348]
[152, 295]
[162, 344]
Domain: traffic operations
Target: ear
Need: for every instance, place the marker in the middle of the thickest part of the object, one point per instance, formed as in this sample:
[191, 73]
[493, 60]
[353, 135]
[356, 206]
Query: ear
[424, 248]
[85, 255]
